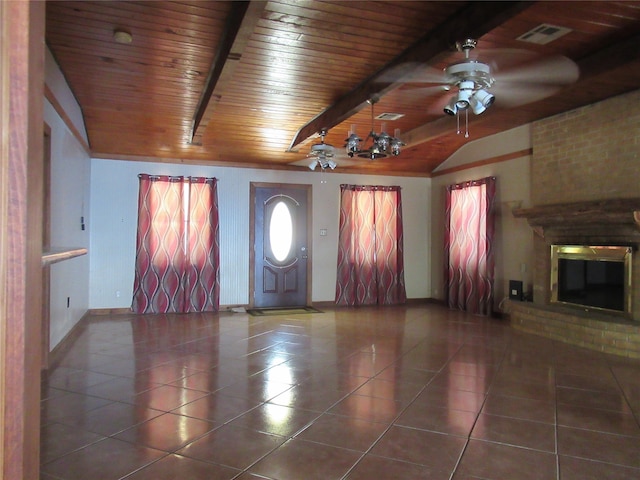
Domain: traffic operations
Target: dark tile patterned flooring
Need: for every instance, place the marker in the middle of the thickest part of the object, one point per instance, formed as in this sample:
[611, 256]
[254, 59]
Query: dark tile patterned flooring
[417, 392]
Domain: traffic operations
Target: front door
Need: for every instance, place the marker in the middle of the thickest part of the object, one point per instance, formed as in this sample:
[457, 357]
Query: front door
[280, 251]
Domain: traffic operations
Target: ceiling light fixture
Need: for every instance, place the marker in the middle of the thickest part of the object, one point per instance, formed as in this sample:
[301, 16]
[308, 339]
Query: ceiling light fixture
[323, 163]
[322, 154]
[472, 78]
[382, 145]
[122, 36]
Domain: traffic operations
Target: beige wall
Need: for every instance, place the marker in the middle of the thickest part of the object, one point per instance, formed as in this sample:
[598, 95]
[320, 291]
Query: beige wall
[114, 187]
[514, 242]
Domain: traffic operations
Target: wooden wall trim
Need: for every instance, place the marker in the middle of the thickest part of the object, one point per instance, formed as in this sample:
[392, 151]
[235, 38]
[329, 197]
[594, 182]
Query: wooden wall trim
[5, 98]
[46, 245]
[58, 352]
[22, 26]
[111, 311]
[49, 95]
[487, 161]
[257, 166]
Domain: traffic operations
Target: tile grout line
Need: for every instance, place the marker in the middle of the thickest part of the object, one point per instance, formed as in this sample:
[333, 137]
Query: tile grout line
[634, 412]
[392, 423]
[484, 401]
[555, 415]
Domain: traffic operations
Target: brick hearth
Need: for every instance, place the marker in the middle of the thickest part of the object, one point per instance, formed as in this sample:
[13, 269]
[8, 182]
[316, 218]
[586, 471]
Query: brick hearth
[590, 330]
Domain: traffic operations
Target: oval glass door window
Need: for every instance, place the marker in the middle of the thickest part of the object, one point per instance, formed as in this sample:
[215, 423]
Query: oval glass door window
[281, 231]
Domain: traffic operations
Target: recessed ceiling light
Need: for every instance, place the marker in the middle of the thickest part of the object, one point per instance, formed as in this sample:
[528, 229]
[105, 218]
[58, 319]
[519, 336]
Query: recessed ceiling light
[122, 36]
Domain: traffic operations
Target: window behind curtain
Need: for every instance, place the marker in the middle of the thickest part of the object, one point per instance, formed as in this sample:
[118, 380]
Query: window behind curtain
[469, 232]
[370, 251]
[177, 247]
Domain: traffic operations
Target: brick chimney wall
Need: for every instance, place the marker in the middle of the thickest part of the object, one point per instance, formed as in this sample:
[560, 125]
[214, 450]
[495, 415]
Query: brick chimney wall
[591, 153]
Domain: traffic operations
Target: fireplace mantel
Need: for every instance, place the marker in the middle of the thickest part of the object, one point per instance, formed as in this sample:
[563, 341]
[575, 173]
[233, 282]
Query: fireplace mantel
[619, 217]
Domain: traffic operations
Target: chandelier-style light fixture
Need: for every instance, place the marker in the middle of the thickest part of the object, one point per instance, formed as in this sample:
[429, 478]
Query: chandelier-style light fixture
[382, 143]
[472, 78]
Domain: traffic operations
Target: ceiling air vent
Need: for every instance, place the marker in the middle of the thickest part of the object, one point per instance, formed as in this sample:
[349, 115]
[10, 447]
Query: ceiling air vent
[390, 116]
[544, 34]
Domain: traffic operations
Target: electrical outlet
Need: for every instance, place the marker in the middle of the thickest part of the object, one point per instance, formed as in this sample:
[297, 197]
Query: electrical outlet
[323, 232]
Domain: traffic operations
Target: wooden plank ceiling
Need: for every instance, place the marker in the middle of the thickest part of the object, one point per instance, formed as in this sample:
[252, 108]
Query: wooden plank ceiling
[251, 84]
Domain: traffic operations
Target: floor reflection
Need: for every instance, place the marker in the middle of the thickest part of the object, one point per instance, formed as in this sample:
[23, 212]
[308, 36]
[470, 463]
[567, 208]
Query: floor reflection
[398, 392]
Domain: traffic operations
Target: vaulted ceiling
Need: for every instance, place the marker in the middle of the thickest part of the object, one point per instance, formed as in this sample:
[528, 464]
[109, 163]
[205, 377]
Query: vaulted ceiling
[253, 83]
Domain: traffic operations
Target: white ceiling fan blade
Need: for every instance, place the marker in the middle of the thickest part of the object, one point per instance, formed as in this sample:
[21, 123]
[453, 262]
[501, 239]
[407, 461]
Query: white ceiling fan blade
[515, 95]
[432, 99]
[413, 73]
[500, 58]
[550, 70]
[409, 92]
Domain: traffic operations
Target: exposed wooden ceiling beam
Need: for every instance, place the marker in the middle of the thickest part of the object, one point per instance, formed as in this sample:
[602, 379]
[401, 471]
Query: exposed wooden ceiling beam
[598, 63]
[239, 25]
[472, 21]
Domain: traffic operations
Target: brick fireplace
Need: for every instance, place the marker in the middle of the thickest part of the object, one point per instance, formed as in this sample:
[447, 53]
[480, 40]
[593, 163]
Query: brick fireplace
[585, 180]
[602, 223]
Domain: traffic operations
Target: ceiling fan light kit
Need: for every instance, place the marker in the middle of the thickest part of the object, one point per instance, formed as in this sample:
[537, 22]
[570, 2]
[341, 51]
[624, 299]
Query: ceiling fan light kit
[472, 78]
[481, 100]
[322, 163]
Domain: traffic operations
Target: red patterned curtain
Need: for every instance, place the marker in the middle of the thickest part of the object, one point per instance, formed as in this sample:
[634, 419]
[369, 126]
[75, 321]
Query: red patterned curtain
[177, 247]
[202, 279]
[370, 253]
[469, 232]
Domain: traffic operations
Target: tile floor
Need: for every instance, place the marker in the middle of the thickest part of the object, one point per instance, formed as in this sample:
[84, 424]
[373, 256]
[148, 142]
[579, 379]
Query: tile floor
[415, 392]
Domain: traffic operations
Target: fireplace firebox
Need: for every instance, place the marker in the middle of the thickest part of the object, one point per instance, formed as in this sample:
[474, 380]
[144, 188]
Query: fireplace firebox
[592, 277]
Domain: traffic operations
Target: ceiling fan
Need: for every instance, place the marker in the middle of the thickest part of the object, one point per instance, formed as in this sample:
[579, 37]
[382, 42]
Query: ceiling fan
[322, 154]
[473, 80]
[509, 78]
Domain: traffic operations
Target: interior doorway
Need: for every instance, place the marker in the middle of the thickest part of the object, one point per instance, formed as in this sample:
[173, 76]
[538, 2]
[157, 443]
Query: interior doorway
[280, 234]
